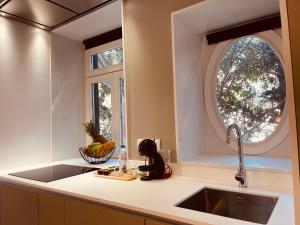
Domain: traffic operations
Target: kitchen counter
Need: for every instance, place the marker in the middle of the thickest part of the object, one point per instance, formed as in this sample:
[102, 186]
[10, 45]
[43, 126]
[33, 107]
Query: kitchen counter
[153, 198]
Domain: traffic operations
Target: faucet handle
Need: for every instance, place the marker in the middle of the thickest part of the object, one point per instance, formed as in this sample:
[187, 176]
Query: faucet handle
[241, 178]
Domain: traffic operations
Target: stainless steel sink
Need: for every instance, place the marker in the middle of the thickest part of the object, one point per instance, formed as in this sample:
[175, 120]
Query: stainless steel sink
[248, 207]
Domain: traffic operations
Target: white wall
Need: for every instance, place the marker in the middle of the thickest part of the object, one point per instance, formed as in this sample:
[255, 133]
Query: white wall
[148, 71]
[67, 97]
[189, 110]
[24, 94]
[26, 119]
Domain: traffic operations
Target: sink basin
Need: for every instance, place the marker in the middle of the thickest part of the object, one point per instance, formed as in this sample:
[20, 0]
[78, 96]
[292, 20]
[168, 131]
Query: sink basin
[247, 207]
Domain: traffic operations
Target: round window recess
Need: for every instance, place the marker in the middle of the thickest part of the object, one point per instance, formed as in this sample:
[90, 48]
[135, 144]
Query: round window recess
[246, 77]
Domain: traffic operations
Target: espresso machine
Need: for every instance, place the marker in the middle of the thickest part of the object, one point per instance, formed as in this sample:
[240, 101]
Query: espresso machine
[154, 163]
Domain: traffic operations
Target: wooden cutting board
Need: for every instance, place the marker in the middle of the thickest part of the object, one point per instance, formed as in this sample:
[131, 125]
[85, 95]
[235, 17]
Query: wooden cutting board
[116, 176]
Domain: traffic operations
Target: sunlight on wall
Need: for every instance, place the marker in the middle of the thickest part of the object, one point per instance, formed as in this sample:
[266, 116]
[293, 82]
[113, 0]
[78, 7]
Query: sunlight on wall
[5, 42]
[24, 94]
[38, 46]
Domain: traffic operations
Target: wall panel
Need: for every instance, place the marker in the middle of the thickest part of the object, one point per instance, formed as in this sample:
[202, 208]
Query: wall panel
[148, 70]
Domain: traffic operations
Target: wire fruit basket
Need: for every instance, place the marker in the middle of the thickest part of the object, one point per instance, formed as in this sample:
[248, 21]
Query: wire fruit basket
[95, 160]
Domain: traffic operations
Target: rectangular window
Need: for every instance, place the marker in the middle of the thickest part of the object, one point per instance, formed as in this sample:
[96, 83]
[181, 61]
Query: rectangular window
[110, 57]
[107, 106]
[105, 91]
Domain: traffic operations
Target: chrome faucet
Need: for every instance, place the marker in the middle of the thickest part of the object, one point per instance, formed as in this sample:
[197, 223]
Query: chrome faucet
[241, 175]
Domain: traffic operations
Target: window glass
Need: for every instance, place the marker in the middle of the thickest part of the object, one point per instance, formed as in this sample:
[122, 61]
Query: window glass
[106, 58]
[250, 88]
[102, 108]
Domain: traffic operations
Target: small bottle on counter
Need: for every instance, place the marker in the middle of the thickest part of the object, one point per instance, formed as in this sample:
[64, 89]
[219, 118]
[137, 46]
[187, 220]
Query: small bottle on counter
[123, 159]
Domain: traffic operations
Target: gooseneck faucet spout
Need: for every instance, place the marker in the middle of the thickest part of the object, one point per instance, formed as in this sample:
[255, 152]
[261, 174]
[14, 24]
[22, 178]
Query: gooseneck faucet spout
[241, 175]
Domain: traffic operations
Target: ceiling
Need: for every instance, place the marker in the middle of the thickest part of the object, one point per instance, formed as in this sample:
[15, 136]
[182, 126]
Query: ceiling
[49, 14]
[217, 14]
[98, 22]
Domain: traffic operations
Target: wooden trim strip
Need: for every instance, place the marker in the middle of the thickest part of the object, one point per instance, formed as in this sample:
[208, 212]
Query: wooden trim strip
[251, 27]
[103, 38]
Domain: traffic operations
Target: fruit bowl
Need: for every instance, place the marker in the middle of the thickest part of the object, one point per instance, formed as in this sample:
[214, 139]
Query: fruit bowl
[93, 159]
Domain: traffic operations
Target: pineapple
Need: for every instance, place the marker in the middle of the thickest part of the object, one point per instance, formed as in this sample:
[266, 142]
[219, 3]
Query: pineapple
[90, 130]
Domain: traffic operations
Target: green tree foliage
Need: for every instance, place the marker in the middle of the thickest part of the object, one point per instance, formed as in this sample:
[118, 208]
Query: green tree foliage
[105, 109]
[250, 88]
[113, 56]
[106, 58]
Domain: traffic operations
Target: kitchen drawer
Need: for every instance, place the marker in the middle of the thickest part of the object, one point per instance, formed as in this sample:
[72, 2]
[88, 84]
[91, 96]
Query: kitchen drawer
[79, 213]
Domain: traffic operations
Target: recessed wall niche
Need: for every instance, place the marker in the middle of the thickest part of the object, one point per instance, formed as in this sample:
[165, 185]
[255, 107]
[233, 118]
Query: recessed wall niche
[196, 139]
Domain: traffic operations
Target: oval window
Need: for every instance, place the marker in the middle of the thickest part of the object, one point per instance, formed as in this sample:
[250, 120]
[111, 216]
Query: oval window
[250, 88]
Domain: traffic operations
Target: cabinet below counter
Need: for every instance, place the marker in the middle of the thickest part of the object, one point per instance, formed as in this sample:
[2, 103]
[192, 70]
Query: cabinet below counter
[18, 206]
[22, 206]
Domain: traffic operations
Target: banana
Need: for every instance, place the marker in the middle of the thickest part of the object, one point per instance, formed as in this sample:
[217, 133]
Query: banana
[93, 150]
[94, 144]
[99, 150]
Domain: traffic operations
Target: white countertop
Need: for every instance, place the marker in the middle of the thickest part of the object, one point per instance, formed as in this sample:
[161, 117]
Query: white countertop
[157, 197]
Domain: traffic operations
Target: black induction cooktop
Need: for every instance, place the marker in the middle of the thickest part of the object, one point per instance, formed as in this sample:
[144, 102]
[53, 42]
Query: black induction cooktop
[52, 173]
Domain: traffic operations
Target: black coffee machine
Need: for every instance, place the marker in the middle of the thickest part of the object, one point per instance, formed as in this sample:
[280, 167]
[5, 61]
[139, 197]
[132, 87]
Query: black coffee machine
[156, 165]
